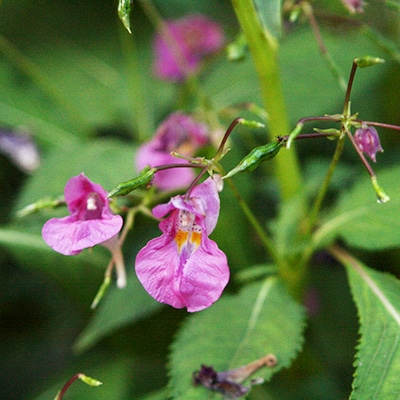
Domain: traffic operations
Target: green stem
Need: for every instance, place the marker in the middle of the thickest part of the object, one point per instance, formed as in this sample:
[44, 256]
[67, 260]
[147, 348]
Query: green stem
[264, 50]
[265, 239]
[324, 188]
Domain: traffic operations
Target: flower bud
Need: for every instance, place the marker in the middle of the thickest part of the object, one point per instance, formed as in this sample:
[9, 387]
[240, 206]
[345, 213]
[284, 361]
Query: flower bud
[368, 61]
[354, 6]
[124, 188]
[367, 141]
[256, 157]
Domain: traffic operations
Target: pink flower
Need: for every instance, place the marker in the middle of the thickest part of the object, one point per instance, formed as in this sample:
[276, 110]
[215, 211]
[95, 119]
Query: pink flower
[183, 267]
[367, 141]
[182, 47]
[91, 221]
[179, 133]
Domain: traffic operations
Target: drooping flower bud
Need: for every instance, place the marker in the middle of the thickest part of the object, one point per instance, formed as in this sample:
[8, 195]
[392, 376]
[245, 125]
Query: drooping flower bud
[367, 141]
[354, 6]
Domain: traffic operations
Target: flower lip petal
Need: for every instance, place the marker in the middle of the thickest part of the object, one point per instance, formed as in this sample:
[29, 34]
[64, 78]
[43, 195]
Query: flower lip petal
[196, 284]
[155, 269]
[205, 278]
[69, 236]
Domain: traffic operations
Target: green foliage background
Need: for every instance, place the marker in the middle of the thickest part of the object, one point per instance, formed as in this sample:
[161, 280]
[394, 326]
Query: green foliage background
[72, 75]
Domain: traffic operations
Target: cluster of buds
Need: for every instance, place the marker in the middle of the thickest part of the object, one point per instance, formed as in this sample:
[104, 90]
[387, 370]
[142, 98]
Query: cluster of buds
[365, 138]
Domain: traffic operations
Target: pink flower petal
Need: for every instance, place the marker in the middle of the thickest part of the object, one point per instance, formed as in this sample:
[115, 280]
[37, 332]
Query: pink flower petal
[78, 188]
[195, 284]
[183, 267]
[180, 133]
[69, 236]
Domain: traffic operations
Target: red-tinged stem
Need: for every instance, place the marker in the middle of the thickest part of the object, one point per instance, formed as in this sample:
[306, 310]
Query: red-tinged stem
[220, 150]
[361, 155]
[346, 108]
[170, 166]
[67, 385]
[194, 183]
[379, 124]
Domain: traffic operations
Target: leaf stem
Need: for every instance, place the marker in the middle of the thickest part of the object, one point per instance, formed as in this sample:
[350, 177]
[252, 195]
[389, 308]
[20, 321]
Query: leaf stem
[324, 188]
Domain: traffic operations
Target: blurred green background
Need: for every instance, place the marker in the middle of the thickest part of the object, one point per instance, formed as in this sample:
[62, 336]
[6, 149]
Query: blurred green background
[83, 87]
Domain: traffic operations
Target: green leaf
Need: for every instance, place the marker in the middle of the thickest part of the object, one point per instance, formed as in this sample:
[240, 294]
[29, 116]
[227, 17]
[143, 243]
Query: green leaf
[377, 297]
[119, 308]
[161, 394]
[269, 13]
[235, 331]
[75, 274]
[360, 220]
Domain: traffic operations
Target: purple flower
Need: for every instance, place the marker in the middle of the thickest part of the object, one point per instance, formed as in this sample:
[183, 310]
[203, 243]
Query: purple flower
[367, 141]
[179, 133]
[183, 45]
[91, 222]
[183, 267]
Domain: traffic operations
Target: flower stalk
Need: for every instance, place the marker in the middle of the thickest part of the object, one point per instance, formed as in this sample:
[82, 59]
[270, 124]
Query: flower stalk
[84, 378]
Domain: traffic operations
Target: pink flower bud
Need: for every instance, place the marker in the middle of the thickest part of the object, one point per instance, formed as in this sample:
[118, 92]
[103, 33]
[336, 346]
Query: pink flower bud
[367, 141]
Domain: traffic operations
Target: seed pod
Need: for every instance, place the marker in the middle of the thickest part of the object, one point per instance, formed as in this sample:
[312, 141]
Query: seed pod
[256, 157]
[123, 188]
